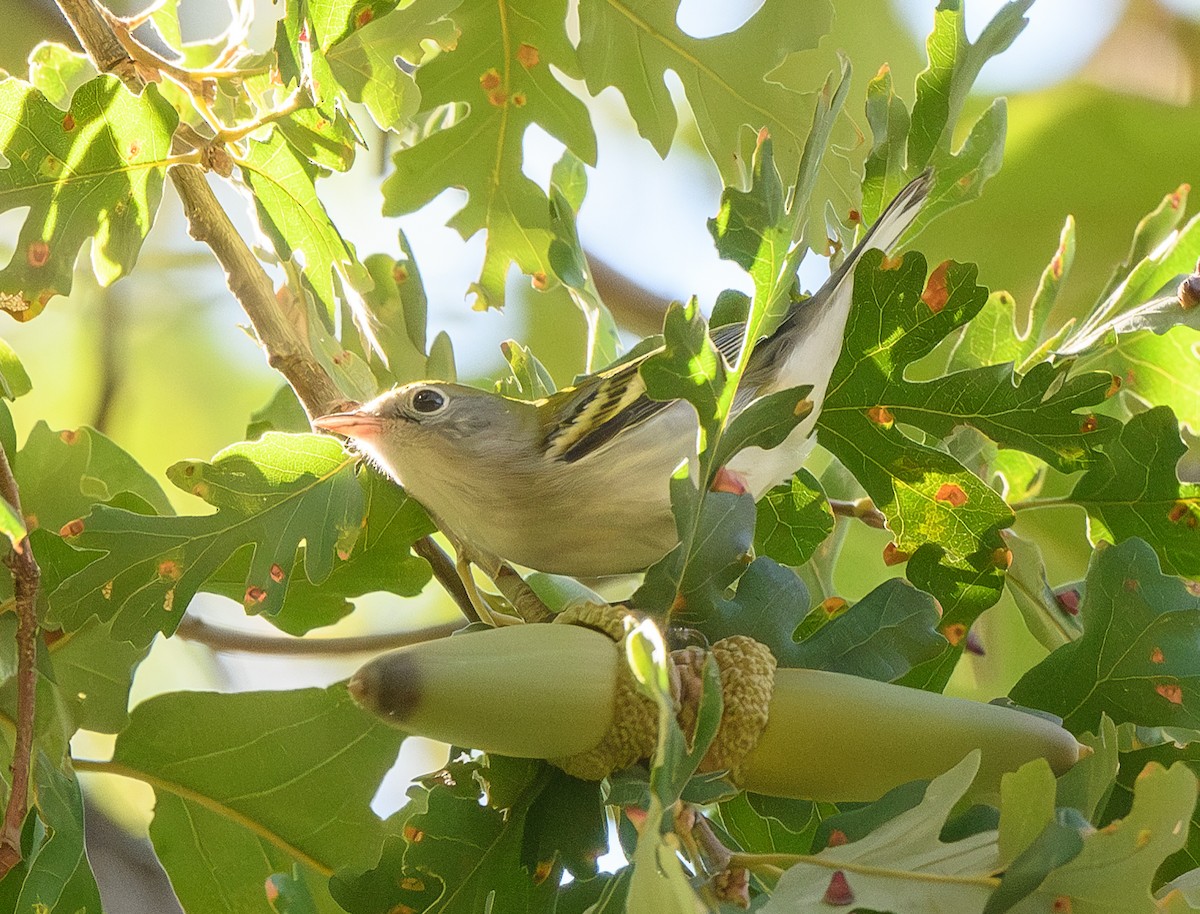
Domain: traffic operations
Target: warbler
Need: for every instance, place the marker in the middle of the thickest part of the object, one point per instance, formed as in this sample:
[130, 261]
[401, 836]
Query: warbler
[578, 483]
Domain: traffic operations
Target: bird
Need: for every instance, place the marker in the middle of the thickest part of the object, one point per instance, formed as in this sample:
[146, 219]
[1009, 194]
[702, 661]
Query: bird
[577, 483]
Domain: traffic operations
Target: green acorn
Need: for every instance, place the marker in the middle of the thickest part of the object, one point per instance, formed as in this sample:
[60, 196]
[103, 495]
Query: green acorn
[565, 693]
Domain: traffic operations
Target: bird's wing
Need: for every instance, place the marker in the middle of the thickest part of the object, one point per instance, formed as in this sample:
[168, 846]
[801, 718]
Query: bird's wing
[581, 419]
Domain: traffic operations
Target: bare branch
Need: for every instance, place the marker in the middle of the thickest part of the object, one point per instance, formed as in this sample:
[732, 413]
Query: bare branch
[227, 639]
[26, 578]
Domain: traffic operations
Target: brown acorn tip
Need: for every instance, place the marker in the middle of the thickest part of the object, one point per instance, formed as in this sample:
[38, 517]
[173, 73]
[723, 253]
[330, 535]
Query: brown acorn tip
[389, 686]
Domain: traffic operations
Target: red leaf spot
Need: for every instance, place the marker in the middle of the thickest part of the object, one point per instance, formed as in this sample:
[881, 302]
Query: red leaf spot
[343, 554]
[542, 871]
[364, 16]
[68, 122]
[341, 358]
[490, 80]
[831, 606]
[679, 604]
[1143, 838]
[838, 894]
[727, 480]
[1061, 905]
[68, 436]
[894, 556]
[412, 884]
[1130, 377]
[1112, 827]
[271, 889]
[189, 470]
[1193, 587]
[891, 263]
[966, 180]
[803, 408]
[952, 494]
[1171, 692]
[763, 135]
[518, 99]
[72, 528]
[528, 56]
[881, 416]
[1002, 558]
[1178, 512]
[955, 632]
[1068, 602]
[1156, 655]
[400, 274]
[277, 574]
[1191, 522]
[254, 594]
[37, 254]
[855, 217]
[539, 281]
[636, 816]
[1056, 264]
[134, 148]
[883, 71]
[936, 294]
[31, 522]
[1175, 200]
[1113, 386]
[200, 490]
[171, 569]
[1090, 424]
[837, 838]
[1132, 585]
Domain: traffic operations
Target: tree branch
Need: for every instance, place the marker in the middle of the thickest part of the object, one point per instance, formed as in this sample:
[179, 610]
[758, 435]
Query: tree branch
[286, 349]
[26, 578]
[226, 639]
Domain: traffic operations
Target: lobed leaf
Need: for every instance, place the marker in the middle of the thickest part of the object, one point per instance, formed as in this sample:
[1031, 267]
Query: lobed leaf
[500, 81]
[1134, 490]
[94, 172]
[733, 81]
[249, 784]
[271, 494]
[1136, 660]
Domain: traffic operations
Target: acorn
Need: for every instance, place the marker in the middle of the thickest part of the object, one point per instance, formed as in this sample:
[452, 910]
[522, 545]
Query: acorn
[564, 692]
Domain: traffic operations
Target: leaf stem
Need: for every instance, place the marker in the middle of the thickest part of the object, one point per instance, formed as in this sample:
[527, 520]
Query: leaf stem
[232, 134]
[26, 578]
[222, 639]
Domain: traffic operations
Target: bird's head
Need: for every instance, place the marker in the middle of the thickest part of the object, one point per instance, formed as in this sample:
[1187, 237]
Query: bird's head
[415, 429]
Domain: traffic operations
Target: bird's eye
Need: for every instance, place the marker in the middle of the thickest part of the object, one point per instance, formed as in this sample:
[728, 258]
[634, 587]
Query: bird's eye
[428, 400]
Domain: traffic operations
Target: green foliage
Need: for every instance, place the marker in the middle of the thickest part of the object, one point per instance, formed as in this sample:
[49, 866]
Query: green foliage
[271, 494]
[1145, 675]
[954, 408]
[248, 785]
[92, 171]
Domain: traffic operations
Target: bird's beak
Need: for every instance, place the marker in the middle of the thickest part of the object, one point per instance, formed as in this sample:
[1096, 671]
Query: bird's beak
[355, 424]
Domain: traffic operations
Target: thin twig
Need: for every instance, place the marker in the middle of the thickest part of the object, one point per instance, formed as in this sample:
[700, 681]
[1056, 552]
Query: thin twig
[285, 347]
[289, 105]
[26, 577]
[862, 509]
[220, 638]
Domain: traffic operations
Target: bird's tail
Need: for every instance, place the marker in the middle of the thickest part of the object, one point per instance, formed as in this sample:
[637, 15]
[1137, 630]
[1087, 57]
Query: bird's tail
[891, 224]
